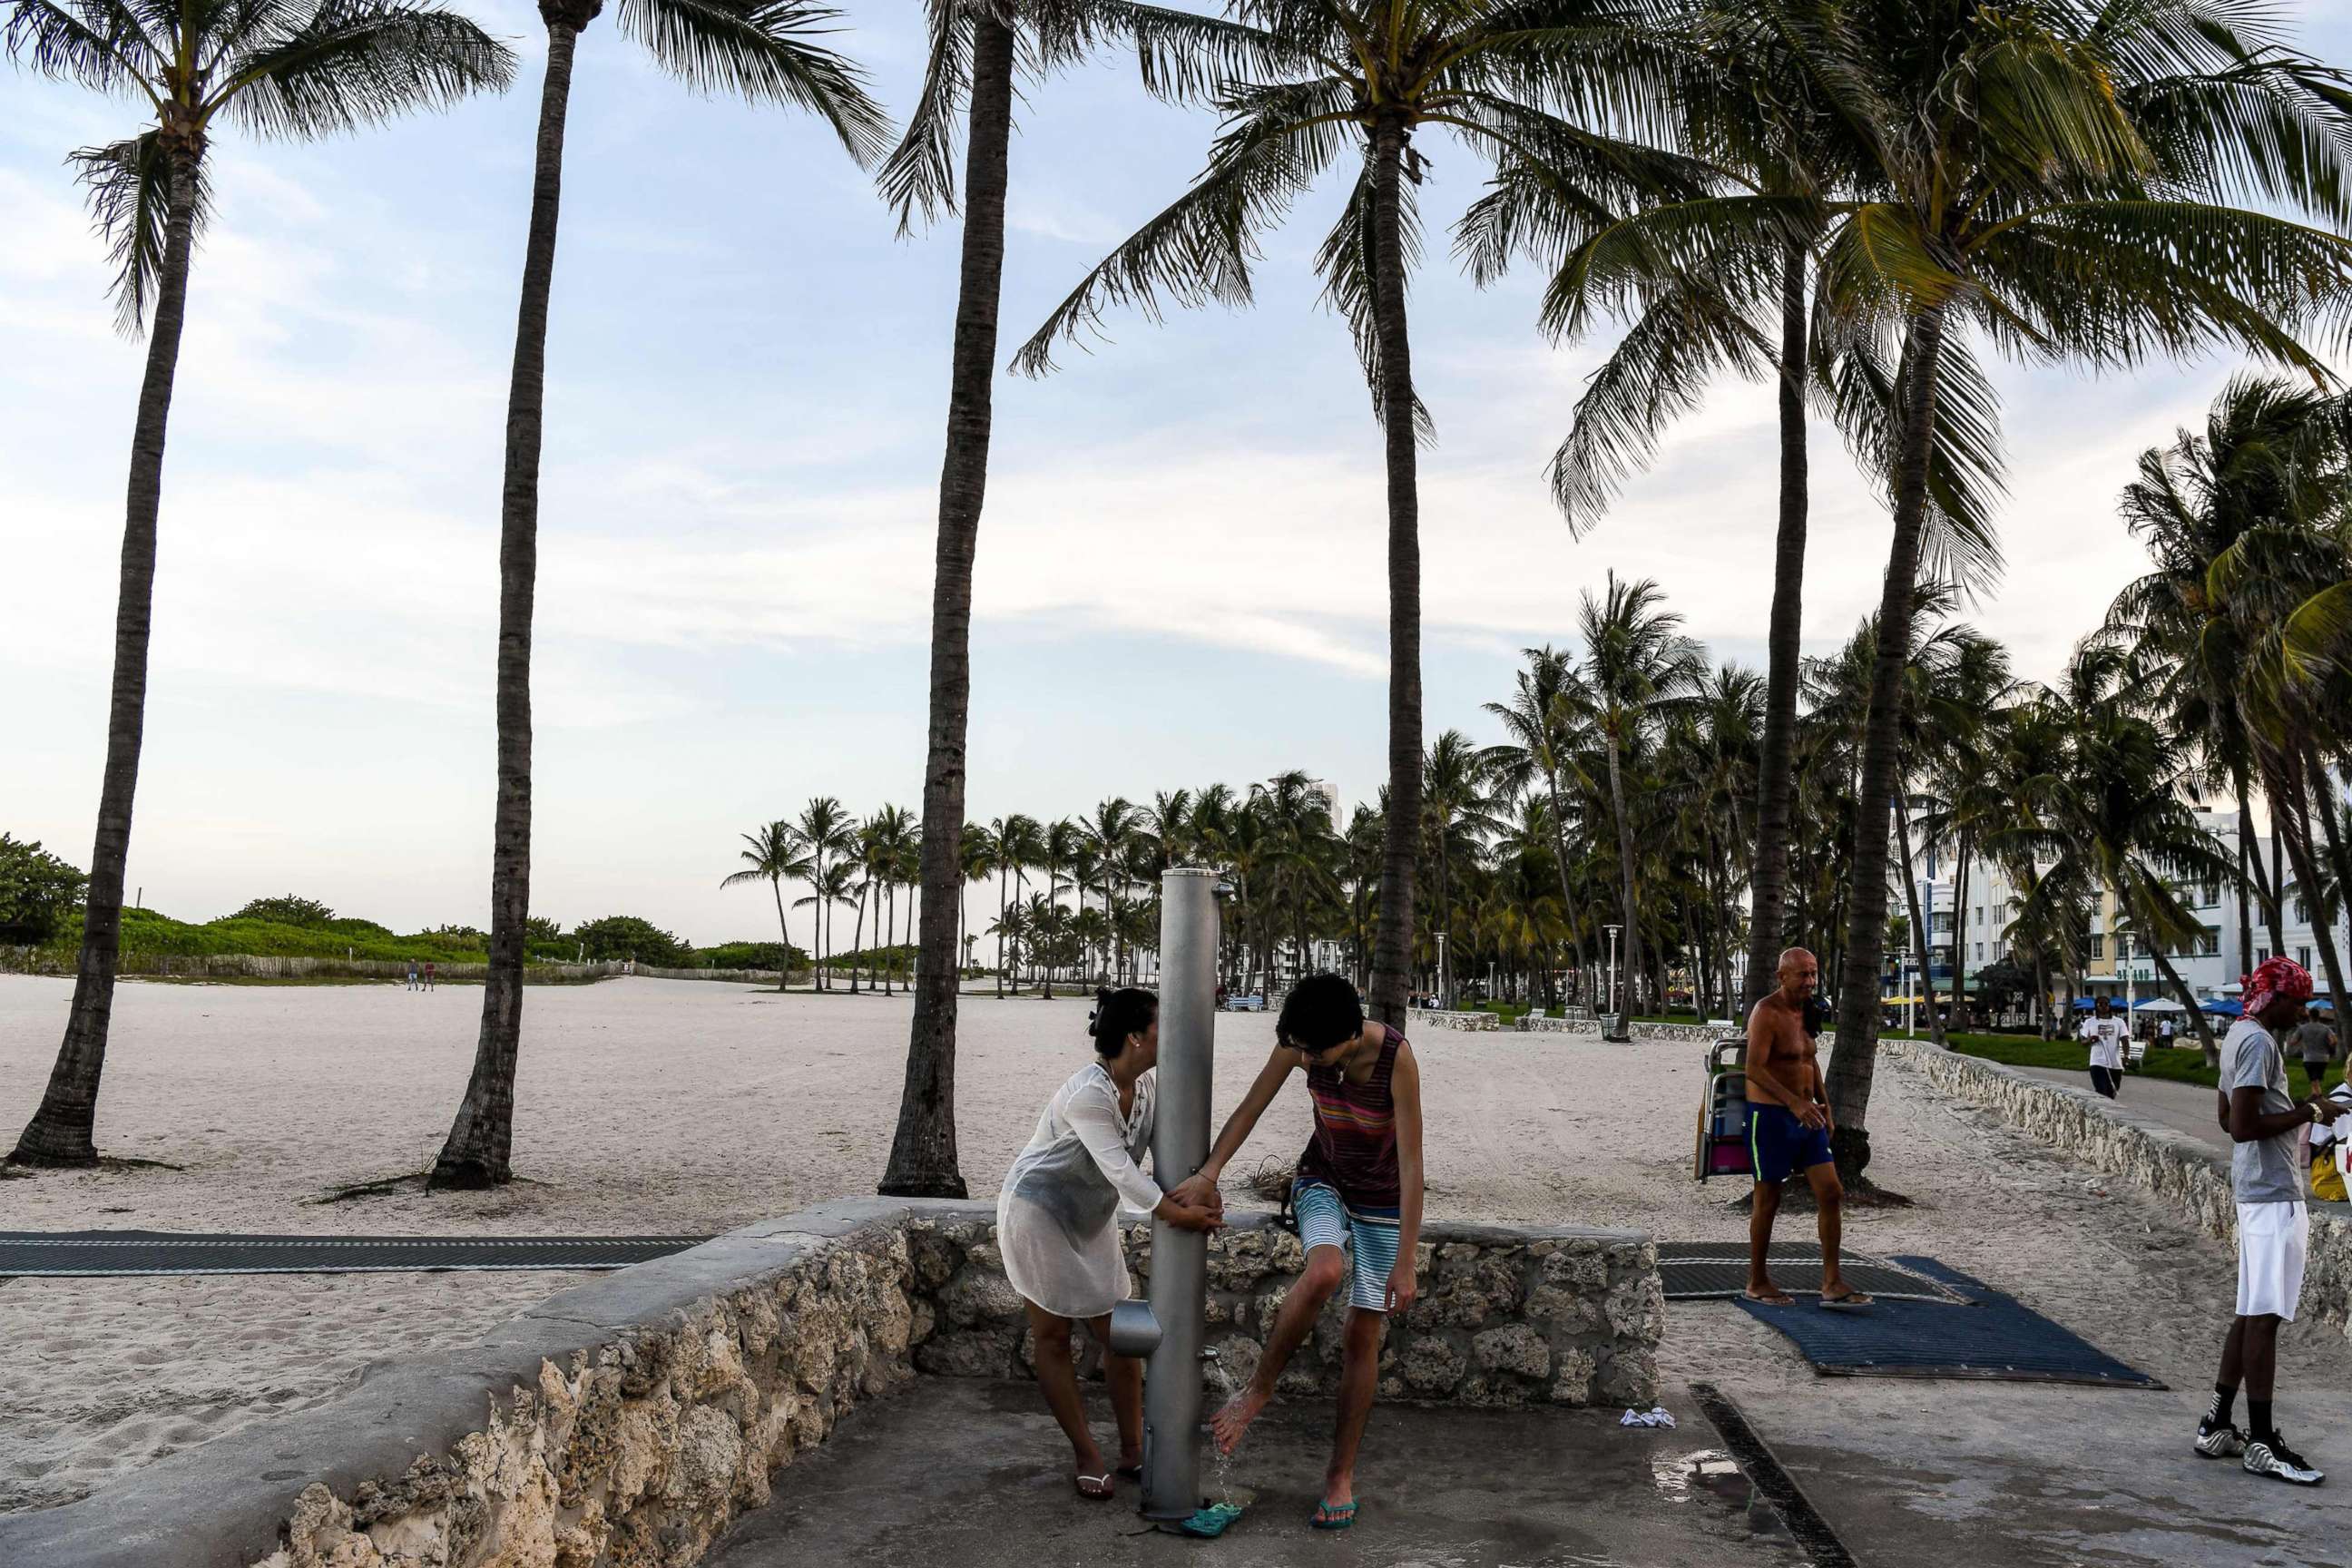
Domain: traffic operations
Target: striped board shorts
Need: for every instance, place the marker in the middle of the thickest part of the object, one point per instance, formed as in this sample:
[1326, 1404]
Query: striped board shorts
[1369, 1237]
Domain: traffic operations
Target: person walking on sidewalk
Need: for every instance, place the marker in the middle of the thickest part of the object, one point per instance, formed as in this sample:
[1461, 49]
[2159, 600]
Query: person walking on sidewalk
[2105, 1034]
[2265, 1127]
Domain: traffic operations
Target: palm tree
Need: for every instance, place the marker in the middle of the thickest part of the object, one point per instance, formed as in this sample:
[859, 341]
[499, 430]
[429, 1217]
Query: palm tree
[774, 855]
[765, 50]
[896, 836]
[830, 835]
[306, 69]
[975, 46]
[1360, 77]
[1537, 719]
[1638, 667]
[830, 887]
[978, 856]
[1456, 812]
[1107, 835]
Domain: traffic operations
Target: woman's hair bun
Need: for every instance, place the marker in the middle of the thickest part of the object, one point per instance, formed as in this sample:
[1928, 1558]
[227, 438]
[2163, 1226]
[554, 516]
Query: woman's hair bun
[1118, 1014]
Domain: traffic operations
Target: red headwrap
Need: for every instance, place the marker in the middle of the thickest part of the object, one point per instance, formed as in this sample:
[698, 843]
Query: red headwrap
[2277, 977]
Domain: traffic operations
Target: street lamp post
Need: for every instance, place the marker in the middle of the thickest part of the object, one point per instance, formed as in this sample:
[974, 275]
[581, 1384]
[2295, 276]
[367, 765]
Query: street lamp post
[2123, 949]
[1444, 986]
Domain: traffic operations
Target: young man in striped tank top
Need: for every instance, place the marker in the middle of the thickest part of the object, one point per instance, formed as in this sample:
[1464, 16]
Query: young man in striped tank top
[1357, 1197]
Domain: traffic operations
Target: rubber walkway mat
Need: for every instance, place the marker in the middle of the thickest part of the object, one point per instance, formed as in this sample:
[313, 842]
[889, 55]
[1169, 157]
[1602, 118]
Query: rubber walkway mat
[1995, 1339]
[70, 1254]
[1709, 1270]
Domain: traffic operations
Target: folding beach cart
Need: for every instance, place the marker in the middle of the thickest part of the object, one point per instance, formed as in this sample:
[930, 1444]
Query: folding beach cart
[1723, 1112]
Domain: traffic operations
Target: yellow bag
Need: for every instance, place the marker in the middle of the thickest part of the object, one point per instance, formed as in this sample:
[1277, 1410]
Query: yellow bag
[2326, 1181]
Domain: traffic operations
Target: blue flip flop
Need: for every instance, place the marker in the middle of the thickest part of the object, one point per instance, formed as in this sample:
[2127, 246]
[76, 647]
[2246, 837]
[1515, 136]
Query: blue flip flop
[1333, 1516]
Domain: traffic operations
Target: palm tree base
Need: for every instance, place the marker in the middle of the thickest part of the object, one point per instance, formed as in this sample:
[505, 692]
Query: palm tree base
[950, 1187]
[50, 1151]
[467, 1175]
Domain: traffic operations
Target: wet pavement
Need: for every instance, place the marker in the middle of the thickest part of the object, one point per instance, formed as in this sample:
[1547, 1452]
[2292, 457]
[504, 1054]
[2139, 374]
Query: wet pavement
[957, 1474]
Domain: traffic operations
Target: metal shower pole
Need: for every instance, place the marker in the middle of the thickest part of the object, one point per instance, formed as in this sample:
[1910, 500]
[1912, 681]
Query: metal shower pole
[1180, 1145]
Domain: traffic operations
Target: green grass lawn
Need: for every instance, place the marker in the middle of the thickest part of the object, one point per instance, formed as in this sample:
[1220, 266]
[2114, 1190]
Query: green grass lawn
[2176, 1064]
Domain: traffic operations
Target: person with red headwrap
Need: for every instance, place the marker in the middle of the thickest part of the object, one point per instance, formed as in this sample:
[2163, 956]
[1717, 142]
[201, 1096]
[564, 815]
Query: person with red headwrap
[2273, 1227]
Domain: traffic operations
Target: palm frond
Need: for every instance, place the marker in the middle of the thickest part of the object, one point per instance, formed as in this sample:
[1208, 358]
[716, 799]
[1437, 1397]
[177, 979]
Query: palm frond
[356, 62]
[97, 43]
[1200, 247]
[1344, 262]
[128, 186]
[1659, 371]
[919, 176]
[768, 51]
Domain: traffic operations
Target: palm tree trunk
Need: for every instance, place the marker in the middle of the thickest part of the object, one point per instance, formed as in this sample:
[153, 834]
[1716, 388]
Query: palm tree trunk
[858, 935]
[889, 938]
[1559, 861]
[2301, 848]
[1853, 1064]
[923, 1151]
[2188, 1000]
[1626, 865]
[1921, 938]
[1960, 935]
[2248, 864]
[1776, 777]
[784, 931]
[1392, 956]
[61, 1131]
[477, 1154]
[1001, 873]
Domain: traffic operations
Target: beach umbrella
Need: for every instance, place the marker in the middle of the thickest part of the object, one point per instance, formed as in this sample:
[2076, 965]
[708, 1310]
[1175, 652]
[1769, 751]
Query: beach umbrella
[2159, 1005]
[2224, 1007]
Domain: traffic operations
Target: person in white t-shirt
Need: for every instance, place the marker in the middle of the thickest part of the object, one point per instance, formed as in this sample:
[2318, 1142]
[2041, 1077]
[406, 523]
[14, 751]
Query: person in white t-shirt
[2105, 1034]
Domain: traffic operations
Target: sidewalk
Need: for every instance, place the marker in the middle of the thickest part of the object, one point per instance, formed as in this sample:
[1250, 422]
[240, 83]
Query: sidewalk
[2188, 1106]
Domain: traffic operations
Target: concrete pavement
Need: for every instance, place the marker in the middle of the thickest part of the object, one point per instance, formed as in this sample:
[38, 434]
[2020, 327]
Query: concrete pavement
[958, 1474]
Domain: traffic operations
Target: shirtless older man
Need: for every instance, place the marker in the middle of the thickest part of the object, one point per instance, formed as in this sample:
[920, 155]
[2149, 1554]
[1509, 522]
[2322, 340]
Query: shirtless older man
[1788, 1130]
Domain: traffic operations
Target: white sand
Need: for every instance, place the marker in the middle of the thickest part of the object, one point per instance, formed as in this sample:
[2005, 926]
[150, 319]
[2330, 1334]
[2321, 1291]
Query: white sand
[660, 1106]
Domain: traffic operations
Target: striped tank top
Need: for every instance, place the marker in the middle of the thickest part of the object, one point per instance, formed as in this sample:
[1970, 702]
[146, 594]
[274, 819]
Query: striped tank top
[1354, 1149]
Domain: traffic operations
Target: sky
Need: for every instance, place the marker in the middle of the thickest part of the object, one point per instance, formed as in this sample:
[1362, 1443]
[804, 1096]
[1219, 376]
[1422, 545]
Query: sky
[1182, 570]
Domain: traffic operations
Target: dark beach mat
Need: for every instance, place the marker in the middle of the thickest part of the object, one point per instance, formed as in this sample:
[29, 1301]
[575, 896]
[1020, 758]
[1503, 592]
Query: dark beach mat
[1716, 1270]
[1995, 1339]
[72, 1254]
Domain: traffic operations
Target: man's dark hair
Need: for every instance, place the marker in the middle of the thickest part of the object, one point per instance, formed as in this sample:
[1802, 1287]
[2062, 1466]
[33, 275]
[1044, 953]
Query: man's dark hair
[1320, 1012]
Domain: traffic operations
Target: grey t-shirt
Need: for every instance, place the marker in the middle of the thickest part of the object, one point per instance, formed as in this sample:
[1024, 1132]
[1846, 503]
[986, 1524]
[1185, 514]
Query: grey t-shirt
[2263, 1171]
[2314, 1042]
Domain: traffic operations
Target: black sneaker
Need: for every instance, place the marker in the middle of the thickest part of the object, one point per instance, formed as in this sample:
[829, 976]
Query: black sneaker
[2275, 1460]
[2221, 1442]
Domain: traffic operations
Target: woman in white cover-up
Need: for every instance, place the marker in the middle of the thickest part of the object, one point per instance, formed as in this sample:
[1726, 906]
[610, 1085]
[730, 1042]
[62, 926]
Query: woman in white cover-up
[1057, 1223]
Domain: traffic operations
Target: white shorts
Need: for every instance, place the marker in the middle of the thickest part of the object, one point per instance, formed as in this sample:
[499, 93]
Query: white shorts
[2273, 1239]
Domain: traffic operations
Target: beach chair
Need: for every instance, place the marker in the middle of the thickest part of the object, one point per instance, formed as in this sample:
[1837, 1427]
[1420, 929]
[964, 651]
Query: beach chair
[1723, 1114]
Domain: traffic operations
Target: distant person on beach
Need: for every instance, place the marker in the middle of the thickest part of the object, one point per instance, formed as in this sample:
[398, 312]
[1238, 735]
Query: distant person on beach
[412, 974]
[1358, 1196]
[2164, 1034]
[2314, 1042]
[1789, 1128]
[1057, 1223]
[2273, 1227]
[2105, 1034]
[429, 974]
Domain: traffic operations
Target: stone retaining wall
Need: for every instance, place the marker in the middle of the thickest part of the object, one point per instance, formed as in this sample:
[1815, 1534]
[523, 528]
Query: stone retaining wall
[624, 1422]
[2186, 1171]
[1476, 1022]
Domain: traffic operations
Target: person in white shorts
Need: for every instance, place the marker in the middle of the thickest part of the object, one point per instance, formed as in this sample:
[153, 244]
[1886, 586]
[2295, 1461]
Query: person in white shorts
[2273, 1227]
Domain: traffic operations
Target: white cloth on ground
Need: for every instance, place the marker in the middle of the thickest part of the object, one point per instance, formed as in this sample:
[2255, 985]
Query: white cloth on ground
[1058, 1217]
[2273, 1241]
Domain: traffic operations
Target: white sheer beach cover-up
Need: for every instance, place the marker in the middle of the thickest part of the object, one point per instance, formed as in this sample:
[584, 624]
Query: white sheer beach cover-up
[1058, 1218]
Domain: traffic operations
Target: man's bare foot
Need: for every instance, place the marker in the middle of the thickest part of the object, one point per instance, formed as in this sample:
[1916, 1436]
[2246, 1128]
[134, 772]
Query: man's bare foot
[1338, 1490]
[1837, 1295]
[1768, 1294]
[1234, 1418]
